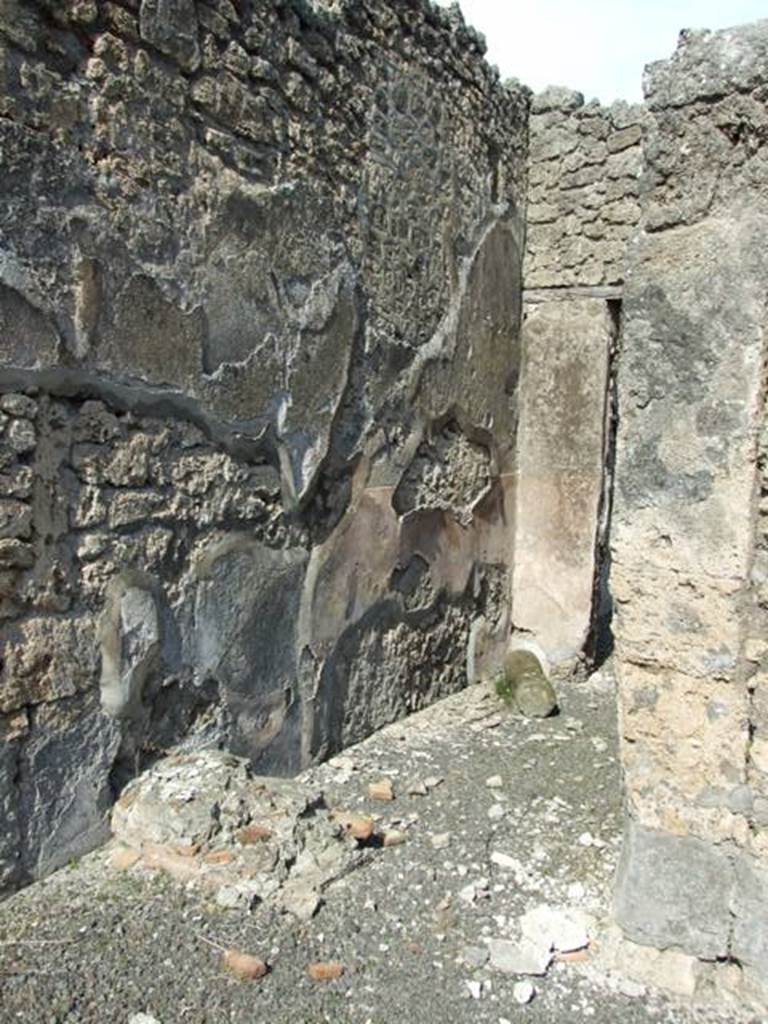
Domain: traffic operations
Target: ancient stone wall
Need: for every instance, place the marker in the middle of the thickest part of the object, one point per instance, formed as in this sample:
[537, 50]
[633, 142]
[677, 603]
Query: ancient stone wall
[584, 186]
[259, 310]
[583, 207]
[644, 306]
[689, 569]
[280, 465]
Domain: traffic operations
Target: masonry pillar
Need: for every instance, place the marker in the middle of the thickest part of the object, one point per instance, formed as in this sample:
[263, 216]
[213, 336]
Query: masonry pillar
[689, 557]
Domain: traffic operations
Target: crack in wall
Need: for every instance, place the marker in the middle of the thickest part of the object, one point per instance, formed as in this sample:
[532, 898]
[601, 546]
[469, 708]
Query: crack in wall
[755, 616]
[146, 400]
[599, 643]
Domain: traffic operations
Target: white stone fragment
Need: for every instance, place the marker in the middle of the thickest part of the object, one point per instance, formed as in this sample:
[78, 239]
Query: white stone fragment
[440, 841]
[523, 957]
[475, 989]
[523, 992]
[562, 930]
[503, 860]
[470, 893]
[576, 892]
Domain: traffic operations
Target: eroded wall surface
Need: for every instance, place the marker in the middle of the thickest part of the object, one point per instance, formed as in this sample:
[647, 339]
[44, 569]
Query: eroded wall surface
[584, 182]
[584, 189]
[259, 310]
[689, 561]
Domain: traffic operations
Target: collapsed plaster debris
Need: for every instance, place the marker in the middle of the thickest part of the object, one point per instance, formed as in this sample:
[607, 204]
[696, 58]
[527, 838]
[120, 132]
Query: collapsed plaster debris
[206, 820]
[545, 931]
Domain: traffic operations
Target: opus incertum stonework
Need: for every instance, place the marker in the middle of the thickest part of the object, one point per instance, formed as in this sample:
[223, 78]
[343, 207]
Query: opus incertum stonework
[331, 364]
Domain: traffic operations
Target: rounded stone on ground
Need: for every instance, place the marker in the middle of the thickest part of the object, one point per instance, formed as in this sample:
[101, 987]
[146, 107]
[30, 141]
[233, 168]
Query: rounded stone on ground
[523, 992]
[524, 684]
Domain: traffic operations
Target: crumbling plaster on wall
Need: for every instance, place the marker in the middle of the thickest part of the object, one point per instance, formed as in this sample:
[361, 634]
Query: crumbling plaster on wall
[279, 462]
[237, 310]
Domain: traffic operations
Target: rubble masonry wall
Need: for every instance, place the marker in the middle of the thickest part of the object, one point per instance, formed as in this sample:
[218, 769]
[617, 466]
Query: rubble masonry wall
[255, 492]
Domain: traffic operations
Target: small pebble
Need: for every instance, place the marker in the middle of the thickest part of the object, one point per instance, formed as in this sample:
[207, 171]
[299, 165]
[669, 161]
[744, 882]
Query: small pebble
[494, 782]
[475, 956]
[359, 826]
[243, 965]
[417, 789]
[433, 781]
[475, 988]
[523, 992]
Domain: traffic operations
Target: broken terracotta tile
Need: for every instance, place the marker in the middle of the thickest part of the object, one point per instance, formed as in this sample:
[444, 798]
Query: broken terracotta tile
[576, 956]
[163, 858]
[243, 965]
[359, 826]
[381, 790]
[219, 857]
[122, 858]
[249, 835]
[325, 970]
[185, 849]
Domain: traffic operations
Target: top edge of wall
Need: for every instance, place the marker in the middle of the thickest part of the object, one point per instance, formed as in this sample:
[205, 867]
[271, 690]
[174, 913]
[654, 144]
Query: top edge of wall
[707, 65]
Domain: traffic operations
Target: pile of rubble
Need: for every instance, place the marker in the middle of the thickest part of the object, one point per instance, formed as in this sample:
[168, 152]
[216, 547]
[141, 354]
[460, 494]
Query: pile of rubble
[206, 820]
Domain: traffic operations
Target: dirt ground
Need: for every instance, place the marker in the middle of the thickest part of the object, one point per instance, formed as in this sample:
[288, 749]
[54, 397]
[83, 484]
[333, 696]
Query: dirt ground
[410, 927]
